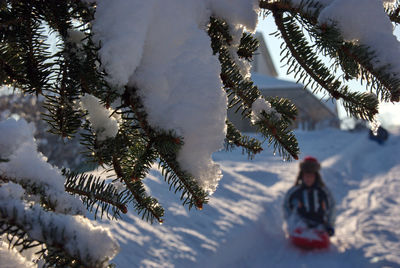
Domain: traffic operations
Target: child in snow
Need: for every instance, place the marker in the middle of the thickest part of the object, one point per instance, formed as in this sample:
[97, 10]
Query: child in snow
[309, 202]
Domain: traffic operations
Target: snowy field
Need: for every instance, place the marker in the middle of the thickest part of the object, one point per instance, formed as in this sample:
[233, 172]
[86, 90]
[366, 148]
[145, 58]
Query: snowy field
[242, 224]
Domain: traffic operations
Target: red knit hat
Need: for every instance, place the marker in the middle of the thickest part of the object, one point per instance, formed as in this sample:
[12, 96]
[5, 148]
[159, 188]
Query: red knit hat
[310, 165]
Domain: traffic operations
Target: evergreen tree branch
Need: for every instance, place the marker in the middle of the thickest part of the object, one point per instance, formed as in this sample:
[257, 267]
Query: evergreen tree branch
[143, 162]
[286, 6]
[356, 61]
[93, 191]
[7, 74]
[394, 15]
[33, 48]
[300, 58]
[365, 107]
[376, 76]
[18, 238]
[24, 52]
[284, 107]
[191, 190]
[243, 92]
[279, 136]
[248, 45]
[33, 189]
[234, 138]
[148, 206]
[47, 195]
[62, 116]
[32, 227]
[308, 11]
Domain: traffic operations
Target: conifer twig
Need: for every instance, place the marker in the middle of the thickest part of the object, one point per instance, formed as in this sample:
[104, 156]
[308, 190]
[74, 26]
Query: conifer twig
[130, 185]
[97, 197]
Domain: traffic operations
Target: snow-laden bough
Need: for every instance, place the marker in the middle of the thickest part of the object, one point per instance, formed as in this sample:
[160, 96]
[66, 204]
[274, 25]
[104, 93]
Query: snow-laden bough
[165, 53]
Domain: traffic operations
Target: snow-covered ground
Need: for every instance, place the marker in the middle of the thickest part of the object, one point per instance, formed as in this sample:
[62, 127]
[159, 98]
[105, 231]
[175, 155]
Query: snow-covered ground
[242, 224]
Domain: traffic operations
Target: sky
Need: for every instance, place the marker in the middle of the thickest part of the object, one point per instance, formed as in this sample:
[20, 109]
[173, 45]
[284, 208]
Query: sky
[389, 114]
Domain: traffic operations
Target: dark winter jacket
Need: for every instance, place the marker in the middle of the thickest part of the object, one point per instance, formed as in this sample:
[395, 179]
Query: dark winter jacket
[381, 136]
[314, 204]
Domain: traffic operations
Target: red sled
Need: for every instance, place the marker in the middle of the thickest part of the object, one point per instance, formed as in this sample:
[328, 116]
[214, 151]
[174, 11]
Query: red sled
[310, 238]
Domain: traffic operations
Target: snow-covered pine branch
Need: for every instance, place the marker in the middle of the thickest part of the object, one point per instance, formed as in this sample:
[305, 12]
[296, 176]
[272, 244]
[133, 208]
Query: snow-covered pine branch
[243, 93]
[342, 30]
[167, 69]
[35, 210]
[147, 52]
[25, 166]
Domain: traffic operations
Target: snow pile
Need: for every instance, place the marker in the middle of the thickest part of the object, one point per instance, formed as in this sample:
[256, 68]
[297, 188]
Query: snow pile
[26, 180]
[100, 117]
[373, 216]
[165, 53]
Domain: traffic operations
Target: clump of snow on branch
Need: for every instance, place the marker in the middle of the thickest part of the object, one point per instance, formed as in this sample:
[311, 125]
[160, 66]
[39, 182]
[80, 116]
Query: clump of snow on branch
[25, 169]
[241, 16]
[100, 117]
[165, 53]
[26, 165]
[121, 27]
[364, 22]
[259, 106]
[237, 13]
[352, 17]
[389, 3]
[180, 86]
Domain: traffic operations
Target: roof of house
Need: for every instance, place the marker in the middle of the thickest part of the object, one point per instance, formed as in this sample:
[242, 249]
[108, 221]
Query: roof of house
[262, 55]
[269, 82]
[305, 101]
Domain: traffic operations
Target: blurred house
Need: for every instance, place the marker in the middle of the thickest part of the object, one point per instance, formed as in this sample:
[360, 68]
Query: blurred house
[313, 113]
